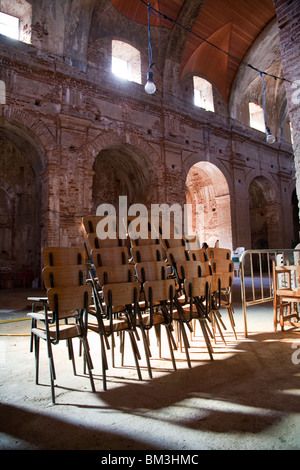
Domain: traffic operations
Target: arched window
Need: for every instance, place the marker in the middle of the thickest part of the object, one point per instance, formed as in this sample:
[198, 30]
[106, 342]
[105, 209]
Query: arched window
[256, 114]
[203, 94]
[15, 19]
[9, 25]
[126, 61]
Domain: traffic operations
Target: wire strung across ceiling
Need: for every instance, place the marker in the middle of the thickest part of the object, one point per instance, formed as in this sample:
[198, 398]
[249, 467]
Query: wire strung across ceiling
[161, 15]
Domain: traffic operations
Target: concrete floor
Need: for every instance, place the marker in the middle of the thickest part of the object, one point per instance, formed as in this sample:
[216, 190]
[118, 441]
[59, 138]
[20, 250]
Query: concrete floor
[247, 398]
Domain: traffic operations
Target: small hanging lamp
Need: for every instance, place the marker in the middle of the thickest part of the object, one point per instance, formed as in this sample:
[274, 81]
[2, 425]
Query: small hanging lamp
[150, 87]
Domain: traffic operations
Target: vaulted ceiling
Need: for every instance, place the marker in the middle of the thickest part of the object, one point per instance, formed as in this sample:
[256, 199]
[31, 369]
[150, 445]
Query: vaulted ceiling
[230, 25]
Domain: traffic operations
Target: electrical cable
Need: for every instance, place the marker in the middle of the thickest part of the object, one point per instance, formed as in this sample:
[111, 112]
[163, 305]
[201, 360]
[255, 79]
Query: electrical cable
[159, 14]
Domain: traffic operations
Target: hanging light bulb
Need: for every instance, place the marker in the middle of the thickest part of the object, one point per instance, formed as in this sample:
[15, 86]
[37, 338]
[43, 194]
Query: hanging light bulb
[269, 136]
[150, 87]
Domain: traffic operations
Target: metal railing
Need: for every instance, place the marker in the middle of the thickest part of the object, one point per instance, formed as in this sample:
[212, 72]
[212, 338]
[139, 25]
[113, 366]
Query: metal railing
[256, 265]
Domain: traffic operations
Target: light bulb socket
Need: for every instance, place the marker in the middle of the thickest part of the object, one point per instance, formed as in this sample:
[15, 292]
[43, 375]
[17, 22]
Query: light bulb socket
[150, 87]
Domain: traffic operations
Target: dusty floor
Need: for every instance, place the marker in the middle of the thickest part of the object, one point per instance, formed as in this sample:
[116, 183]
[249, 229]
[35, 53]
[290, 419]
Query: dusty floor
[247, 398]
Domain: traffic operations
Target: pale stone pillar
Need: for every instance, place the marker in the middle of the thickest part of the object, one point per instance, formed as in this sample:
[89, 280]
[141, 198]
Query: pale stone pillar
[288, 17]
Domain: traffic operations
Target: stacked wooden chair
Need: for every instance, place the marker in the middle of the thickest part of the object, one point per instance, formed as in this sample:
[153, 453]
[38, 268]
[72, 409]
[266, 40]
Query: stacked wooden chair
[193, 295]
[286, 288]
[64, 309]
[157, 293]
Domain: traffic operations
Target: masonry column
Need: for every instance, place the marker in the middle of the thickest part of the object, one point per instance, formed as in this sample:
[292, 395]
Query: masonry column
[288, 17]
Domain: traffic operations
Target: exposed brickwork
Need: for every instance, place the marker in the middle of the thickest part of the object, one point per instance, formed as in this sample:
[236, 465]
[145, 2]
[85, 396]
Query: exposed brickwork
[89, 138]
[288, 15]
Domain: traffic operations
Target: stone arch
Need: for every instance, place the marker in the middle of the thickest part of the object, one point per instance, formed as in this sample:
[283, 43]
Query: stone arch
[208, 192]
[26, 128]
[264, 214]
[121, 167]
[22, 162]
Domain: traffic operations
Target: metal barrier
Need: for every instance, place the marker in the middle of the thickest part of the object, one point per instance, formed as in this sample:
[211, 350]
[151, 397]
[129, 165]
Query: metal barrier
[258, 265]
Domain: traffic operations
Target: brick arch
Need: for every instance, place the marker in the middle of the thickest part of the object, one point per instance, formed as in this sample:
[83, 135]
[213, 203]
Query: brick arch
[254, 174]
[139, 173]
[23, 126]
[111, 139]
[208, 192]
[264, 213]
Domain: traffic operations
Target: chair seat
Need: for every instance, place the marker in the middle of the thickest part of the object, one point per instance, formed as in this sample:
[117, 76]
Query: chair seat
[117, 325]
[285, 293]
[157, 319]
[40, 315]
[65, 332]
[186, 309]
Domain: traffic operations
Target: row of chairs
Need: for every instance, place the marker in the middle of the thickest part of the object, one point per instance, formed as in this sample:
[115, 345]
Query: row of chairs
[62, 314]
[120, 289]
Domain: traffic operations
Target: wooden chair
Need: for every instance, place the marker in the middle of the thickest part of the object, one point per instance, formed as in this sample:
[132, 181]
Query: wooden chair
[90, 224]
[109, 256]
[223, 272]
[55, 256]
[149, 236]
[146, 253]
[121, 311]
[159, 297]
[198, 255]
[218, 253]
[286, 289]
[64, 303]
[197, 290]
[62, 256]
[155, 271]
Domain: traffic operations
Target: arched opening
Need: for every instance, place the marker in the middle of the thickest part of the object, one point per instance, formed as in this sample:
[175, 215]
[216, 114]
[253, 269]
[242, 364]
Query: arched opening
[126, 61]
[264, 215]
[208, 193]
[203, 94]
[20, 209]
[122, 170]
[256, 116]
[16, 19]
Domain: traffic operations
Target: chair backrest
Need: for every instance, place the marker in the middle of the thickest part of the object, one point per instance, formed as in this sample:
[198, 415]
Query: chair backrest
[177, 254]
[198, 255]
[197, 286]
[146, 253]
[226, 280]
[115, 274]
[94, 242]
[63, 301]
[206, 269]
[159, 291]
[121, 294]
[109, 256]
[188, 269]
[61, 256]
[64, 276]
[90, 223]
[173, 243]
[151, 271]
[144, 236]
[222, 265]
[218, 253]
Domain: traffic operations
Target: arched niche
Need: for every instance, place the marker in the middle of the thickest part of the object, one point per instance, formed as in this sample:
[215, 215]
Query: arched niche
[264, 214]
[21, 164]
[122, 170]
[208, 193]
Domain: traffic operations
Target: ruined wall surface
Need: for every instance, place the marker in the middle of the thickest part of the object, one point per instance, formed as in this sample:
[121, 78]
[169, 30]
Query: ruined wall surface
[90, 137]
[288, 16]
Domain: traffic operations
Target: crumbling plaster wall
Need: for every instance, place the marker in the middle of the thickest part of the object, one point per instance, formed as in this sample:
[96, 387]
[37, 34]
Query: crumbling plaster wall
[81, 115]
